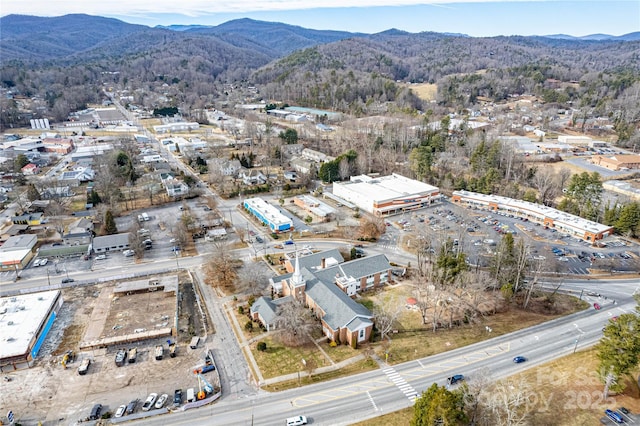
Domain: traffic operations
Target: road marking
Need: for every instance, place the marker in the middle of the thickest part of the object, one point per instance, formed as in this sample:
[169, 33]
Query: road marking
[401, 383]
[375, 407]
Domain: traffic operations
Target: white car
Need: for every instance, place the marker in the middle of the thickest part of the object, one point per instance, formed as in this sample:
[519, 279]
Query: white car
[120, 411]
[36, 263]
[162, 400]
[101, 257]
[148, 403]
[43, 261]
[128, 253]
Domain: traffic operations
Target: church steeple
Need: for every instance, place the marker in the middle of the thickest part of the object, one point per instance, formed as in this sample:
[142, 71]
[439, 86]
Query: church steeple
[296, 279]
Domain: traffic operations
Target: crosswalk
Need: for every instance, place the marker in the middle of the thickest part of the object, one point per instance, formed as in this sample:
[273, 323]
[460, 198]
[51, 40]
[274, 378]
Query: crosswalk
[401, 383]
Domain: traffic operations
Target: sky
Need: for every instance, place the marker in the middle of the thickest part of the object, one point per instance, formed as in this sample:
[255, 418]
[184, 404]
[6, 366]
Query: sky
[476, 18]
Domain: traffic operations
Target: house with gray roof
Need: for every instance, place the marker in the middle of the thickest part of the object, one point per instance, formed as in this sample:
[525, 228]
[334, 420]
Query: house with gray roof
[115, 242]
[325, 284]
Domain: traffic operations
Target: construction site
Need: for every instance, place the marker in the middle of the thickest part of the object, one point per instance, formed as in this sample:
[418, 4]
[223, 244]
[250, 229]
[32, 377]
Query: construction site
[82, 356]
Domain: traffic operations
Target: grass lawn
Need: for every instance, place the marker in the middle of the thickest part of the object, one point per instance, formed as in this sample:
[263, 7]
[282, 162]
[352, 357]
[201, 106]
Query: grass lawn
[568, 385]
[355, 368]
[279, 360]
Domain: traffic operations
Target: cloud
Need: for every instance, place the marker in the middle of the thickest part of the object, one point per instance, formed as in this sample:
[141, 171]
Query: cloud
[195, 8]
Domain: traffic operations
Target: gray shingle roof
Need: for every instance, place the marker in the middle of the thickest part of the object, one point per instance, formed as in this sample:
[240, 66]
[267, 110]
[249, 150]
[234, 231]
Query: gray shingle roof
[356, 268]
[313, 261]
[267, 308]
[339, 308]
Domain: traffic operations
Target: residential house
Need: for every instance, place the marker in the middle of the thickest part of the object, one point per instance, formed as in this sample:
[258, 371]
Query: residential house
[224, 167]
[175, 187]
[79, 232]
[77, 176]
[30, 169]
[12, 230]
[253, 177]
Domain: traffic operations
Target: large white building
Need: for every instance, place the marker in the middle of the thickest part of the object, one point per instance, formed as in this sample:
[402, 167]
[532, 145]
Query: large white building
[386, 195]
[25, 321]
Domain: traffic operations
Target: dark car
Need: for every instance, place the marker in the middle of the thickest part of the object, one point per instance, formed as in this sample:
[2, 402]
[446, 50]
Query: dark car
[67, 280]
[131, 407]
[519, 359]
[623, 410]
[455, 379]
[177, 397]
[95, 412]
[259, 239]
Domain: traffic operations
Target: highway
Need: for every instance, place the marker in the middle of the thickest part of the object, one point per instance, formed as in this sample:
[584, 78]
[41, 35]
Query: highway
[356, 398]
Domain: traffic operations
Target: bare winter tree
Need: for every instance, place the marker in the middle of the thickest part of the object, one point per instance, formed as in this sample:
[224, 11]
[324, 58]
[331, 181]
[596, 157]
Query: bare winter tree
[294, 323]
[546, 182]
[253, 279]
[221, 269]
[386, 314]
[477, 391]
[509, 402]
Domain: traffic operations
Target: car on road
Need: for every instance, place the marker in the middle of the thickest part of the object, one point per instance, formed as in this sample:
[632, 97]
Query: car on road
[597, 306]
[455, 379]
[128, 253]
[67, 280]
[593, 294]
[296, 421]
[288, 242]
[177, 396]
[162, 400]
[519, 359]
[120, 411]
[259, 239]
[101, 257]
[175, 248]
[148, 403]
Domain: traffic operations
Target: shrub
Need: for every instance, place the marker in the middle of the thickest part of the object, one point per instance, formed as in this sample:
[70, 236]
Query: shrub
[262, 346]
[251, 300]
[249, 325]
[241, 310]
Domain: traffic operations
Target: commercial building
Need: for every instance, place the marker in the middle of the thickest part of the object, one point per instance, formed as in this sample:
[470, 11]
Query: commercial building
[115, 242]
[17, 251]
[25, 321]
[552, 218]
[268, 214]
[619, 162]
[387, 195]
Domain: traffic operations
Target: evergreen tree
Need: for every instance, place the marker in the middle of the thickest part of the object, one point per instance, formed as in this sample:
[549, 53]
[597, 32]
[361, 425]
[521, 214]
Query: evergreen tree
[110, 227]
[439, 406]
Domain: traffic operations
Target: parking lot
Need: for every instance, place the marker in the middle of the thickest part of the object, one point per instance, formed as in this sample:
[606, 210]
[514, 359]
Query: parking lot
[478, 233]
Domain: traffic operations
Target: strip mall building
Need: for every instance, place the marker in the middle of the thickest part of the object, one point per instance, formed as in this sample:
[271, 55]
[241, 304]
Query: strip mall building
[552, 218]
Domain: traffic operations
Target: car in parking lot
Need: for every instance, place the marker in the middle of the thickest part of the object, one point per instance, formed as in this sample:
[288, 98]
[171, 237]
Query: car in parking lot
[161, 401]
[148, 403]
[519, 359]
[120, 411]
[177, 396]
[623, 410]
[455, 379]
[95, 412]
[259, 239]
[131, 407]
[614, 415]
[101, 257]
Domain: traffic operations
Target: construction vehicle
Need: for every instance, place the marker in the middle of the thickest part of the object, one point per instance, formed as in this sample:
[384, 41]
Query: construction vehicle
[172, 349]
[205, 387]
[68, 358]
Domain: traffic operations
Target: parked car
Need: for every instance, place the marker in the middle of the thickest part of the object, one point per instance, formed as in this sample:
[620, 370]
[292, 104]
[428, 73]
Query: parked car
[131, 407]
[614, 415]
[120, 411]
[44, 261]
[455, 379]
[259, 239]
[623, 410]
[519, 359]
[177, 396]
[95, 412]
[288, 242]
[161, 401]
[121, 357]
[148, 403]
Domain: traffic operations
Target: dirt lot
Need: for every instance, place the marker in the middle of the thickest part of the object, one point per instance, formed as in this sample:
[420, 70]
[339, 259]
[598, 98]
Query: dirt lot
[54, 395]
